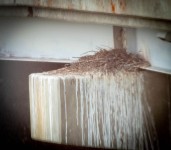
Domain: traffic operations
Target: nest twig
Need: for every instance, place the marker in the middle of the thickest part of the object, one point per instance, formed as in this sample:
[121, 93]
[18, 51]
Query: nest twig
[107, 61]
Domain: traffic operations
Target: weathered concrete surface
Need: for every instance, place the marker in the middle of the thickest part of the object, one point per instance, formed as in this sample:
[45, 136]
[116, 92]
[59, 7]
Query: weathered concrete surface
[89, 118]
[46, 118]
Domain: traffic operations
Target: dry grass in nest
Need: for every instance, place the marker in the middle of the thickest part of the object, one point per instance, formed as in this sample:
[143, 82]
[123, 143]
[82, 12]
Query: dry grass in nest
[106, 61]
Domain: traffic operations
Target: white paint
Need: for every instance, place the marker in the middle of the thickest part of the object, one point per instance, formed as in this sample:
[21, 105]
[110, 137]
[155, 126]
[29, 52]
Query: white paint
[158, 51]
[147, 43]
[40, 38]
[66, 120]
[130, 39]
[76, 98]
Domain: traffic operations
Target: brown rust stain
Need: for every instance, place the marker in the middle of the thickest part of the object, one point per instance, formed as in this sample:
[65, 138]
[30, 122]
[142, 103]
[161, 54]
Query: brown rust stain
[49, 2]
[122, 4]
[112, 6]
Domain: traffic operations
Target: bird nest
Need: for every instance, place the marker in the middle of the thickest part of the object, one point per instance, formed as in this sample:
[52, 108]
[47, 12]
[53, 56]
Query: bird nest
[106, 61]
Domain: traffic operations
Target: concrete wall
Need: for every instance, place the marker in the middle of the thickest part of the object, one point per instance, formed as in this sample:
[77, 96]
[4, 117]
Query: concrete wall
[40, 38]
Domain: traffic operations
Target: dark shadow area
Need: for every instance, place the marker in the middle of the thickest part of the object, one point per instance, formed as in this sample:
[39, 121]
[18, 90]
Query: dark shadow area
[14, 102]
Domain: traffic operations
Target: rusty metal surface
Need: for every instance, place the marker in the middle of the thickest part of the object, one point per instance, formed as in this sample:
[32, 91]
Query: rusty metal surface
[129, 13]
[85, 17]
[118, 20]
[159, 9]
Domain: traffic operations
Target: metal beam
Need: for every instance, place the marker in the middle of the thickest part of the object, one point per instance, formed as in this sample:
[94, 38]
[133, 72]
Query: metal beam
[157, 9]
[86, 17]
